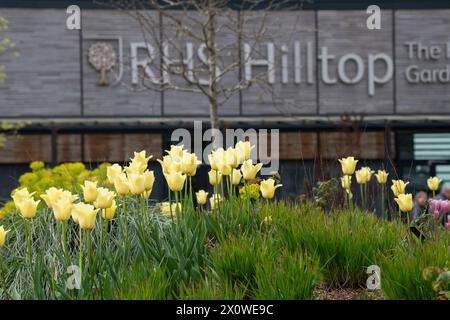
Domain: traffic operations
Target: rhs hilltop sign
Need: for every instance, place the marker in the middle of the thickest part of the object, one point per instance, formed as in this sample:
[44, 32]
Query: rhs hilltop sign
[307, 64]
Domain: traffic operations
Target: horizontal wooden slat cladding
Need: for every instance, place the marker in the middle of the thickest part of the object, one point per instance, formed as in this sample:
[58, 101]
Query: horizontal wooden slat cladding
[69, 148]
[120, 147]
[26, 148]
[298, 145]
[363, 145]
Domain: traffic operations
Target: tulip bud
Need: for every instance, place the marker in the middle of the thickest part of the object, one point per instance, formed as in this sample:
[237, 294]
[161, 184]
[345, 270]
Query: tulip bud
[381, 176]
[201, 197]
[348, 165]
[175, 181]
[108, 213]
[398, 187]
[433, 183]
[62, 209]
[104, 199]
[3, 233]
[167, 209]
[136, 183]
[268, 188]
[149, 180]
[405, 202]
[215, 177]
[28, 208]
[89, 191]
[249, 170]
[243, 149]
[121, 185]
[236, 177]
[84, 214]
[215, 201]
[112, 172]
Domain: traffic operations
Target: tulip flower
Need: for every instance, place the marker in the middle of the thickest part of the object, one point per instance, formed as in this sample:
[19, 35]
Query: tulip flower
[3, 233]
[201, 195]
[398, 187]
[140, 157]
[445, 206]
[363, 175]
[89, 191]
[112, 172]
[405, 202]
[121, 185]
[62, 209]
[136, 168]
[268, 188]
[51, 195]
[168, 209]
[215, 177]
[28, 208]
[346, 182]
[433, 184]
[171, 165]
[215, 158]
[447, 224]
[108, 213]
[243, 149]
[348, 165]
[249, 170]
[105, 198]
[69, 196]
[236, 177]
[176, 152]
[21, 194]
[215, 201]
[136, 183]
[149, 180]
[232, 158]
[85, 215]
[189, 164]
[381, 176]
[175, 181]
[435, 207]
[224, 168]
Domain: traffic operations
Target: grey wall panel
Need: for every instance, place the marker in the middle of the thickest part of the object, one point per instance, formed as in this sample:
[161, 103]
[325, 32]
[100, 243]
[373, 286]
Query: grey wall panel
[344, 32]
[283, 97]
[125, 97]
[430, 28]
[44, 80]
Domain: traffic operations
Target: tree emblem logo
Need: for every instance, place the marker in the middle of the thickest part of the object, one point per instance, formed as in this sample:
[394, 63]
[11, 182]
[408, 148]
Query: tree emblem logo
[102, 57]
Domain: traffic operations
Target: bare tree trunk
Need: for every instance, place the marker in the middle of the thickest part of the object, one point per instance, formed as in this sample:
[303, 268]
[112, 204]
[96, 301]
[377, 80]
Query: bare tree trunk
[211, 44]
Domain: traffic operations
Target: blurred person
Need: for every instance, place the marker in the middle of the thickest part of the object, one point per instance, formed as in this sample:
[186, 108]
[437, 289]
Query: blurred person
[419, 205]
[445, 192]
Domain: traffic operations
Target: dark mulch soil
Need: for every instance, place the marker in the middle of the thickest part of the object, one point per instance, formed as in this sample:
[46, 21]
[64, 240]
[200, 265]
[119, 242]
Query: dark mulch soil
[322, 292]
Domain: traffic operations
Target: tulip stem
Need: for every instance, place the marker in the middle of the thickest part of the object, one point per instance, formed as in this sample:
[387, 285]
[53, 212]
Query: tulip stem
[29, 235]
[170, 205]
[80, 257]
[383, 210]
[89, 247]
[64, 240]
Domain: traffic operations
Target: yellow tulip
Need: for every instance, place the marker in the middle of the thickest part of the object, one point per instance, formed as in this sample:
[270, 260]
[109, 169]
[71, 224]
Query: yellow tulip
[215, 201]
[168, 164]
[363, 175]
[176, 152]
[243, 149]
[224, 168]
[405, 202]
[189, 164]
[201, 195]
[51, 195]
[136, 167]
[166, 207]
[112, 172]
[108, 213]
[268, 188]
[249, 170]
[348, 165]
[433, 183]
[62, 209]
[84, 214]
[236, 177]
[175, 181]
[382, 176]
[3, 233]
[21, 194]
[216, 157]
[215, 177]
[69, 196]
[149, 180]
[232, 158]
[121, 184]
[136, 183]
[28, 208]
[89, 191]
[105, 198]
[346, 182]
[398, 187]
[141, 157]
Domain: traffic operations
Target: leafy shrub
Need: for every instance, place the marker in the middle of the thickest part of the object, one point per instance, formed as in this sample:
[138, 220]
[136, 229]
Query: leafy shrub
[69, 176]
